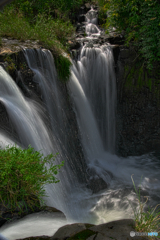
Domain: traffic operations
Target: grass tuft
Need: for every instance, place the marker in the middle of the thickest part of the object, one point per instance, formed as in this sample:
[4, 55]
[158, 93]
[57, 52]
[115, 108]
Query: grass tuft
[145, 221]
[23, 173]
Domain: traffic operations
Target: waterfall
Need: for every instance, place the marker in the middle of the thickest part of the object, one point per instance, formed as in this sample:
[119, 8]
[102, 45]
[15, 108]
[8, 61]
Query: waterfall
[47, 125]
[93, 88]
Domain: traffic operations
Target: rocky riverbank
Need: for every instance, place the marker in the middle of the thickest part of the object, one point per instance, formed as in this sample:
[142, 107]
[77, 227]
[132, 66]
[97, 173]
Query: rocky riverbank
[118, 230]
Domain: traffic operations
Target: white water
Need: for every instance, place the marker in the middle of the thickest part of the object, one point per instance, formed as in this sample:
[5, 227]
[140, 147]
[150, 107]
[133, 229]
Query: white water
[41, 223]
[94, 92]
[92, 88]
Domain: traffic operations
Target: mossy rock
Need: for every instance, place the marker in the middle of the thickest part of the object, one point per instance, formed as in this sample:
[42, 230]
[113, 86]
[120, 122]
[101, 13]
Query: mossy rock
[88, 225]
[83, 235]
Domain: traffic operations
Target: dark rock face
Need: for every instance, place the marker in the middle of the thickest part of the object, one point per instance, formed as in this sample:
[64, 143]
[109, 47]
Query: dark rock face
[138, 108]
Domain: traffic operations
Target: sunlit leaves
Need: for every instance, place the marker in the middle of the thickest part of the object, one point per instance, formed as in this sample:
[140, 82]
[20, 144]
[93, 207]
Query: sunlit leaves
[140, 19]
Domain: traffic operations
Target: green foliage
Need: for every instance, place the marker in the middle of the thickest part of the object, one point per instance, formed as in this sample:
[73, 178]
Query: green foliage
[146, 221]
[140, 19]
[13, 24]
[51, 33]
[63, 67]
[23, 174]
[49, 30]
[53, 7]
[43, 20]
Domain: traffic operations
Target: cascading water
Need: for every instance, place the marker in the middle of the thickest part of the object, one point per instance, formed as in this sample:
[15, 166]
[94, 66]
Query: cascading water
[92, 88]
[94, 92]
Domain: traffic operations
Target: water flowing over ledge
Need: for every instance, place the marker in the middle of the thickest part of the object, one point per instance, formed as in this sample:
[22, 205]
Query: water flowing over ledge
[48, 126]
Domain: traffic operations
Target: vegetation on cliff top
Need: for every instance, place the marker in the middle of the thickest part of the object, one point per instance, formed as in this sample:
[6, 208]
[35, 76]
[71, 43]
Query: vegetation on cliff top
[140, 21]
[44, 20]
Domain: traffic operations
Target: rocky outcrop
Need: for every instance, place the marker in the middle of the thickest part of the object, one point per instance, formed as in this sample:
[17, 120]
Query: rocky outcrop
[119, 230]
[138, 105]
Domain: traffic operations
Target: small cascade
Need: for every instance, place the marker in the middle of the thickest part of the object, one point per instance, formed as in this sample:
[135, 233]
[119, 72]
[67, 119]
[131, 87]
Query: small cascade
[91, 23]
[92, 16]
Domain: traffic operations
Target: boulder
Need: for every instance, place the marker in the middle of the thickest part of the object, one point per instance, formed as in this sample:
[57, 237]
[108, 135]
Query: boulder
[69, 230]
[119, 230]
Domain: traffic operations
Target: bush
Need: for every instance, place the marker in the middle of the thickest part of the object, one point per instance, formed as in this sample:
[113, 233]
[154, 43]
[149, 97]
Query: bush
[13, 24]
[58, 9]
[32, 7]
[23, 174]
[140, 19]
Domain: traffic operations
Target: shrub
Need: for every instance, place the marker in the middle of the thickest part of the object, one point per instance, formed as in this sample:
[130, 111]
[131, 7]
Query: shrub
[23, 172]
[13, 24]
[140, 19]
[32, 7]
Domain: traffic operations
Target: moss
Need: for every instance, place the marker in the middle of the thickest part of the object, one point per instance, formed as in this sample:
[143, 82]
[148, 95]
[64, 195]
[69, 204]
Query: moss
[149, 84]
[140, 77]
[11, 64]
[88, 225]
[129, 74]
[137, 77]
[63, 67]
[82, 235]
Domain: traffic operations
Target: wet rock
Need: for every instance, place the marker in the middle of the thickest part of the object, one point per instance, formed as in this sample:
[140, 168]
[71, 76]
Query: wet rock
[81, 18]
[96, 184]
[10, 45]
[69, 230]
[119, 230]
[74, 45]
[116, 50]
[88, 6]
